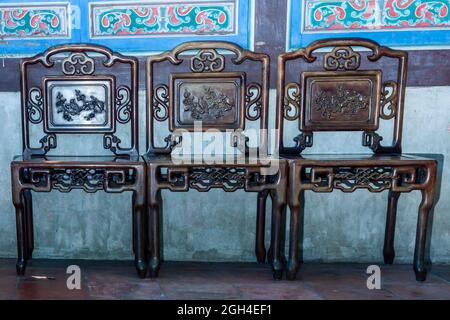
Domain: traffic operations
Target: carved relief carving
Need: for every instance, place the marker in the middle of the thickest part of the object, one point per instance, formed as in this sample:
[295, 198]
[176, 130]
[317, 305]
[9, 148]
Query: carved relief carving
[112, 142]
[34, 106]
[341, 58]
[372, 140]
[67, 179]
[212, 103]
[349, 179]
[123, 103]
[375, 179]
[388, 100]
[73, 108]
[89, 180]
[292, 101]
[253, 101]
[78, 63]
[303, 140]
[161, 102]
[207, 60]
[229, 179]
[341, 102]
[240, 141]
[48, 142]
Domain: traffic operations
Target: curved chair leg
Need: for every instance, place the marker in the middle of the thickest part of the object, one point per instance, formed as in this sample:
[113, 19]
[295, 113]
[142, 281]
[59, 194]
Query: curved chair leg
[28, 201]
[272, 231]
[389, 235]
[278, 210]
[21, 230]
[154, 211]
[139, 238]
[425, 208]
[296, 210]
[260, 249]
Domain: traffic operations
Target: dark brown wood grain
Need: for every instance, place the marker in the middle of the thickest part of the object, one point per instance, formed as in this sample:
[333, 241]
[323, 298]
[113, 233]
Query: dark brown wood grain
[386, 169]
[423, 69]
[214, 73]
[35, 171]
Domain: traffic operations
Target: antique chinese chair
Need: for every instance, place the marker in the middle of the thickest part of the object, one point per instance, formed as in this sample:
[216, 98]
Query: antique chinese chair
[71, 91]
[340, 89]
[225, 88]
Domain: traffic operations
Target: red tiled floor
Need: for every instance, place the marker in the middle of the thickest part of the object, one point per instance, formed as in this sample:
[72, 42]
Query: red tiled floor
[188, 280]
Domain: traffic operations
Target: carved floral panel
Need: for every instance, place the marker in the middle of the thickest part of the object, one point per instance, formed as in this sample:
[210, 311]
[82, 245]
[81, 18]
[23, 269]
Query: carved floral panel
[214, 100]
[340, 102]
[78, 105]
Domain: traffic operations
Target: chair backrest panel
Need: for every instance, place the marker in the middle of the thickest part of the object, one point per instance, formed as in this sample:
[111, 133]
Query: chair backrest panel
[336, 87]
[79, 89]
[218, 84]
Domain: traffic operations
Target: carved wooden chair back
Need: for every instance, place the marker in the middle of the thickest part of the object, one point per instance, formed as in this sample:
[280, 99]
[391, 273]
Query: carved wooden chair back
[218, 84]
[341, 89]
[79, 89]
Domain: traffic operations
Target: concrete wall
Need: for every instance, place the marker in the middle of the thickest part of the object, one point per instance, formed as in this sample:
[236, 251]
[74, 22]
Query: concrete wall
[215, 226]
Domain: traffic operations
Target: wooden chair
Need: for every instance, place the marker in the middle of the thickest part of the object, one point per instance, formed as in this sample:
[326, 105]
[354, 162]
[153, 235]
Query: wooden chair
[225, 88]
[340, 89]
[87, 90]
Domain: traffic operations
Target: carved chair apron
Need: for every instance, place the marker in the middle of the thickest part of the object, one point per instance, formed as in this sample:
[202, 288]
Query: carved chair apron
[85, 90]
[225, 88]
[341, 89]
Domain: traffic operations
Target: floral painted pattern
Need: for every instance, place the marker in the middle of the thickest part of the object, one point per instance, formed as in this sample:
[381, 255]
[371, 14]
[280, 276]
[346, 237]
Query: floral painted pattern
[159, 19]
[358, 15]
[412, 13]
[31, 21]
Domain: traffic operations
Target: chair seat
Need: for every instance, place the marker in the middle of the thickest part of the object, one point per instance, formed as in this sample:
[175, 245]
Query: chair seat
[222, 160]
[362, 158]
[78, 160]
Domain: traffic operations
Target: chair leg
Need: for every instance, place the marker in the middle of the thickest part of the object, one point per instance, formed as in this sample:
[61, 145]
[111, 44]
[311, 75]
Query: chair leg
[278, 210]
[389, 235]
[154, 211]
[272, 231]
[296, 210]
[21, 230]
[425, 208]
[28, 202]
[260, 249]
[139, 238]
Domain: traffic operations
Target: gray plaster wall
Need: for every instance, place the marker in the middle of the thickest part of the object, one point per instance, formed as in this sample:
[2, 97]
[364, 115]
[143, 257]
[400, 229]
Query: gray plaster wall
[218, 226]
